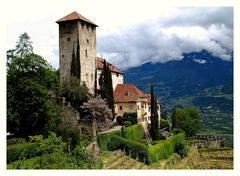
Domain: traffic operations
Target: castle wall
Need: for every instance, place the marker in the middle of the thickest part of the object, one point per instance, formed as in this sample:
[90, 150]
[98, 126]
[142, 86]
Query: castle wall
[117, 78]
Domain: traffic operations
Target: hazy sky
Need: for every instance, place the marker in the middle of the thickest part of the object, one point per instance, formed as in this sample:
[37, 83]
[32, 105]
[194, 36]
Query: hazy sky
[129, 33]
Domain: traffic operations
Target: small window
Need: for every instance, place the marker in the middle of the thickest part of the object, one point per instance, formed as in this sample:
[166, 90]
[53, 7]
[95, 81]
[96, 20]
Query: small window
[63, 56]
[86, 54]
[138, 107]
[142, 106]
[92, 77]
[120, 107]
[127, 93]
[117, 74]
[87, 41]
[68, 39]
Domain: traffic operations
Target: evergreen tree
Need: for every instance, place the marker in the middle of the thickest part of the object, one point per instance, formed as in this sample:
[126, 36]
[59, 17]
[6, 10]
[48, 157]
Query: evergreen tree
[75, 63]
[106, 89]
[154, 117]
[174, 118]
[164, 115]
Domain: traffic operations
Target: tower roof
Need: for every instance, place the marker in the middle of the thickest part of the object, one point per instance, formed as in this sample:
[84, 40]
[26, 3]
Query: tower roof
[75, 16]
[100, 64]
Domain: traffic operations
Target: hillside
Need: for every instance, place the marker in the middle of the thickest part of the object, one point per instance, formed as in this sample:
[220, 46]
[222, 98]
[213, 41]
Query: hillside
[199, 79]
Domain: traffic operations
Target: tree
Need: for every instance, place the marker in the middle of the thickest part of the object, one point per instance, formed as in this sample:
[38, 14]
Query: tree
[174, 119]
[154, 131]
[106, 89]
[23, 47]
[75, 93]
[97, 108]
[30, 83]
[164, 115]
[187, 119]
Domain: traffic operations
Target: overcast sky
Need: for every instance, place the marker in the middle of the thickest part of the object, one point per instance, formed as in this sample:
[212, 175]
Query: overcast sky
[128, 34]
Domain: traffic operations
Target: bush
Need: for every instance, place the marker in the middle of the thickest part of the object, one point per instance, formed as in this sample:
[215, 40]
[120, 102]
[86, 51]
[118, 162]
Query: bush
[16, 141]
[36, 138]
[127, 123]
[56, 160]
[181, 149]
[166, 123]
[165, 148]
[133, 149]
[132, 117]
[52, 144]
[22, 151]
[69, 136]
[177, 131]
[105, 139]
[134, 133]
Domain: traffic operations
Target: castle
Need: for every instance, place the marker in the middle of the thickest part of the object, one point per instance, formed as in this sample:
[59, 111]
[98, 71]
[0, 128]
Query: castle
[77, 40]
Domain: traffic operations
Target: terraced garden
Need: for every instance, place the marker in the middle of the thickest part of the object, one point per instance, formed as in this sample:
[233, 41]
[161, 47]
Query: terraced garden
[196, 159]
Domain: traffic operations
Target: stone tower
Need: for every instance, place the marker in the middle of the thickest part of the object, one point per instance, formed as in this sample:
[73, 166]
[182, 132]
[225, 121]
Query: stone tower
[77, 49]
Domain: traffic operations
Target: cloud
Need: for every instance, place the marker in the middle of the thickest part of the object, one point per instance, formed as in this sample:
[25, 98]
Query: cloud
[193, 29]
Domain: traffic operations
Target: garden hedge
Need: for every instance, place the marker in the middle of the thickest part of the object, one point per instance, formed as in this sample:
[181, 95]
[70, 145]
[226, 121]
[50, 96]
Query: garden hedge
[134, 133]
[131, 144]
[105, 139]
[133, 149]
[165, 148]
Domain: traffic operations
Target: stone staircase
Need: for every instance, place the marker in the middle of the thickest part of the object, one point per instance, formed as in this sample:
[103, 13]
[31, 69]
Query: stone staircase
[118, 160]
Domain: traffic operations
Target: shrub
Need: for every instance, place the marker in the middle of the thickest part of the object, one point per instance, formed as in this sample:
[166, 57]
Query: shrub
[177, 131]
[16, 141]
[52, 144]
[32, 163]
[181, 149]
[69, 135]
[134, 133]
[22, 151]
[105, 139]
[165, 148]
[166, 123]
[131, 116]
[36, 138]
[133, 149]
[127, 123]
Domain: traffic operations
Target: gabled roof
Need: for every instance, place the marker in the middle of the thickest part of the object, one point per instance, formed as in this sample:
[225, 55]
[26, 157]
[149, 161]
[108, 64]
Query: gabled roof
[127, 93]
[100, 64]
[75, 16]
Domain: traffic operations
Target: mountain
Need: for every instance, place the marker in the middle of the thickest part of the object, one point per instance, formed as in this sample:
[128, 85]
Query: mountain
[194, 73]
[199, 79]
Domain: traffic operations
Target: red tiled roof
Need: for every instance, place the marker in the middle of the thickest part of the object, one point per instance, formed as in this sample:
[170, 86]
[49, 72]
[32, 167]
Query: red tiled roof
[75, 16]
[100, 64]
[127, 93]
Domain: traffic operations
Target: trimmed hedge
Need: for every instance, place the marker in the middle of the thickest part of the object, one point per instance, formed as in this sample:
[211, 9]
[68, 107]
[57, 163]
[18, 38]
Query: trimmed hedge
[134, 133]
[166, 123]
[133, 149]
[165, 148]
[22, 151]
[105, 139]
[133, 146]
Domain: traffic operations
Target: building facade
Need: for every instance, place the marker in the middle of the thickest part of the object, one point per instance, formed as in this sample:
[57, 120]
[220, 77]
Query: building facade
[128, 98]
